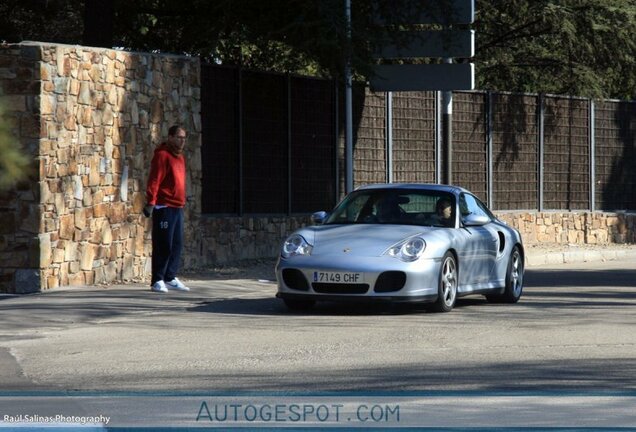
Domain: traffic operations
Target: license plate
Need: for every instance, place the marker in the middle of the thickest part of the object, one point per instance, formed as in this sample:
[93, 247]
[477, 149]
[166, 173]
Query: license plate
[338, 277]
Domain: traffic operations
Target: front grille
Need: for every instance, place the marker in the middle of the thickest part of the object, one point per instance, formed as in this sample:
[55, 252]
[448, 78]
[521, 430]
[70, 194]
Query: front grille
[335, 288]
[295, 279]
[390, 281]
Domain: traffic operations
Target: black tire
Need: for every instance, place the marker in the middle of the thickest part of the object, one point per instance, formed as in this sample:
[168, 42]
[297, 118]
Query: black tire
[514, 280]
[447, 285]
[298, 305]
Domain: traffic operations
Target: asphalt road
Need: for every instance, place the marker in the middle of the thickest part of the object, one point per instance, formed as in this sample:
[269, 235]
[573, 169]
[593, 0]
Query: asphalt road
[572, 330]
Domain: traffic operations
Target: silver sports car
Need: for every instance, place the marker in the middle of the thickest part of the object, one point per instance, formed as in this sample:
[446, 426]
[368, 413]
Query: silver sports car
[402, 243]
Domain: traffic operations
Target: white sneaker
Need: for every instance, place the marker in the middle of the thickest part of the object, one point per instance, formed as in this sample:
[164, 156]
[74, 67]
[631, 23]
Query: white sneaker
[176, 284]
[159, 286]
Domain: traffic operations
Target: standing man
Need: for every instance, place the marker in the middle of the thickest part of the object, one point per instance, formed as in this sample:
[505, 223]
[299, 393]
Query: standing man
[165, 199]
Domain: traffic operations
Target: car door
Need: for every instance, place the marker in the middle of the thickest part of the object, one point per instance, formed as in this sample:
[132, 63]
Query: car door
[481, 241]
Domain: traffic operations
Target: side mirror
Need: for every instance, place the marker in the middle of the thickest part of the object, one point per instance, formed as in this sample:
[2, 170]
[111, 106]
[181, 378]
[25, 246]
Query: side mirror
[319, 218]
[475, 220]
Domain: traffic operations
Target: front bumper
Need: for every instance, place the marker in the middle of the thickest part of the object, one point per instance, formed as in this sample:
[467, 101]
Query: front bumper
[418, 280]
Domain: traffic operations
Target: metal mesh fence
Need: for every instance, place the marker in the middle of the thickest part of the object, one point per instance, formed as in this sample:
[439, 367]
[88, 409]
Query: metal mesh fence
[566, 155]
[469, 157]
[276, 149]
[615, 135]
[265, 153]
[312, 148]
[281, 134]
[220, 151]
[369, 152]
[414, 137]
[514, 142]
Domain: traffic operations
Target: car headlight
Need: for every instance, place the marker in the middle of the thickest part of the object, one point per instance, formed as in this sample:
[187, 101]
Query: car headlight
[407, 250]
[295, 245]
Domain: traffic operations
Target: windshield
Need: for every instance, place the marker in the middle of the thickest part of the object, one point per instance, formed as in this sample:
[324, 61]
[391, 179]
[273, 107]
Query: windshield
[396, 206]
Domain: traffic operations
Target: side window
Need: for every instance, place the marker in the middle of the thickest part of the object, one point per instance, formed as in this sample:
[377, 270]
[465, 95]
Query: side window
[463, 205]
[484, 209]
[468, 204]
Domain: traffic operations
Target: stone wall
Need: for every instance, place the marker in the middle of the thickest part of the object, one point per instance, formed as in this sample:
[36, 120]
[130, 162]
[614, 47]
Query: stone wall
[101, 114]
[233, 238]
[226, 239]
[573, 227]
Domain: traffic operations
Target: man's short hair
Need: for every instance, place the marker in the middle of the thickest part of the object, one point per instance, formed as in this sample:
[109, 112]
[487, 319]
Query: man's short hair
[174, 129]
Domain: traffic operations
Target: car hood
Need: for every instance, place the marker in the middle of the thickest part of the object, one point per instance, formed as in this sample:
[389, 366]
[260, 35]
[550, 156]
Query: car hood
[360, 239]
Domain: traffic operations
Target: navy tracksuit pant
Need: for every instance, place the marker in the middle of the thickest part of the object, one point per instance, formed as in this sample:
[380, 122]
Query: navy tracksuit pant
[167, 242]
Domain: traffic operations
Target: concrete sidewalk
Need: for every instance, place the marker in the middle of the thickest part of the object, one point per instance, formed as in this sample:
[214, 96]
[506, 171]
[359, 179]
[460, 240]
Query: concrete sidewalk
[537, 255]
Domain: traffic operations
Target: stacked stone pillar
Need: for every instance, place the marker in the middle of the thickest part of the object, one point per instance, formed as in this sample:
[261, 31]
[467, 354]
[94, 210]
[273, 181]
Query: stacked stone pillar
[92, 119]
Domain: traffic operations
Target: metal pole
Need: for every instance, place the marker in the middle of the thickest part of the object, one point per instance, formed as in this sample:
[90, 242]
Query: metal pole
[438, 137]
[348, 102]
[592, 138]
[240, 139]
[447, 106]
[490, 175]
[541, 149]
[336, 142]
[289, 147]
[389, 137]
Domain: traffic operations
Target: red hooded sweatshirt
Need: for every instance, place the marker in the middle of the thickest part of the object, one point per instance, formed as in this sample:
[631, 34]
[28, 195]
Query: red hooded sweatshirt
[167, 178]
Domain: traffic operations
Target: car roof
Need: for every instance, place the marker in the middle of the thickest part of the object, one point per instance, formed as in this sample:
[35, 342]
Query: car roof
[426, 186]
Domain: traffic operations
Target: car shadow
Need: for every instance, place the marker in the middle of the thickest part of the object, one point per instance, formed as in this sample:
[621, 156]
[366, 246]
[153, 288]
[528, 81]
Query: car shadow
[274, 306]
[544, 289]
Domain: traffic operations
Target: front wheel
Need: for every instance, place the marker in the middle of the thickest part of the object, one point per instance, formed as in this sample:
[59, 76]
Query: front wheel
[447, 289]
[514, 280]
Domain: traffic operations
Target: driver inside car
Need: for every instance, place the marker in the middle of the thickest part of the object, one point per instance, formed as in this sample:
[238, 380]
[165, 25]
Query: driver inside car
[388, 210]
[444, 211]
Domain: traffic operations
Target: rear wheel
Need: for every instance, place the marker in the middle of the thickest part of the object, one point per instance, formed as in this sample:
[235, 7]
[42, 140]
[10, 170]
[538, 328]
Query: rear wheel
[447, 289]
[514, 280]
[298, 305]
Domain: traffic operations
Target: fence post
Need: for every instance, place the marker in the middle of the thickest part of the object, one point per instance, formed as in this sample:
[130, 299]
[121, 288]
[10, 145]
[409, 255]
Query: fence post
[388, 106]
[592, 139]
[240, 139]
[289, 147]
[540, 140]
[489, 172]
[447, 137]
[336, 141]
[348, 104]
[438, 137]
